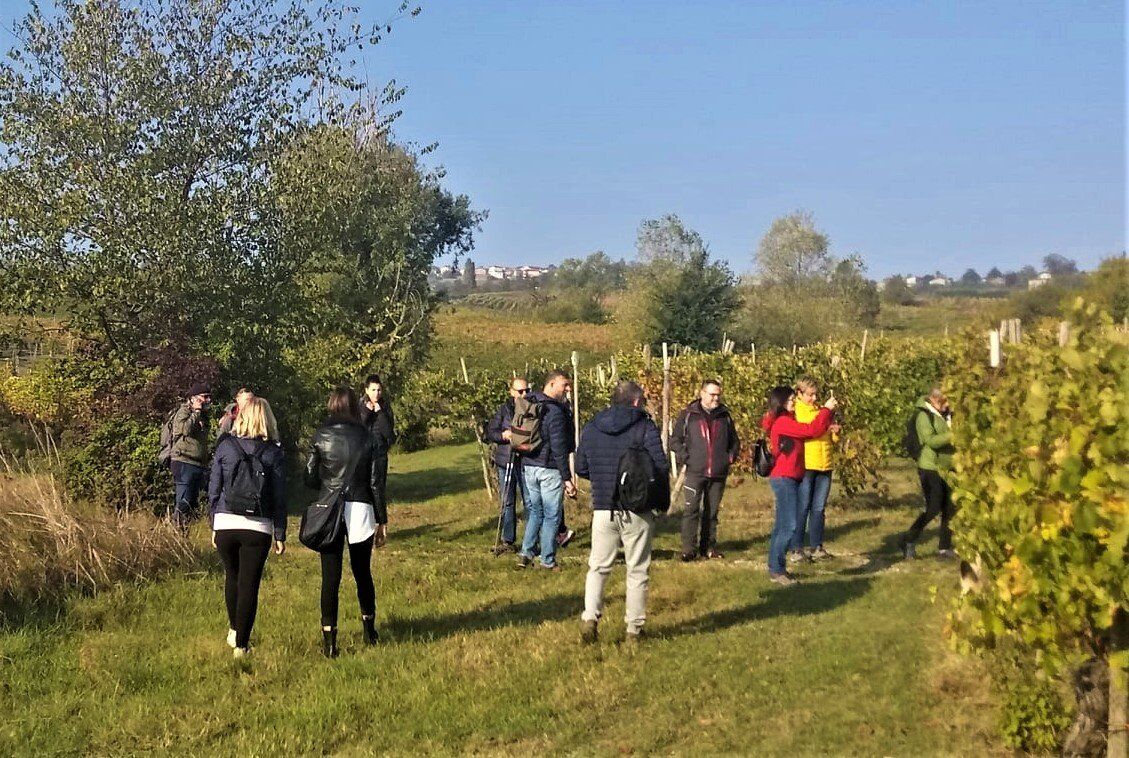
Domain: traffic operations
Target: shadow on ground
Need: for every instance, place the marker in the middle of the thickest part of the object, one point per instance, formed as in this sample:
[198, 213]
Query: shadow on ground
[420, 486]
[801, 600]
[495, 615]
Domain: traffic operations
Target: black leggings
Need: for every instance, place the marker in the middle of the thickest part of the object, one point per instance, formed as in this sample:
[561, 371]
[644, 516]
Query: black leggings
[938, 500]
[244, 554]
[360, 558]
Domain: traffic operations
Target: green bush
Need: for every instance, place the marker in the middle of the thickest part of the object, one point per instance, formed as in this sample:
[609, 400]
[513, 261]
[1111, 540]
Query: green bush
[574, 306]
[115, 464]
[1033, 715]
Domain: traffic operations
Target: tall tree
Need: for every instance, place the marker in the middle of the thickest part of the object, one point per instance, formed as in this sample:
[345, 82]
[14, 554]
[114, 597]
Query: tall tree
[793, 250]
[667, 239]
[1059, 265]
[469, 278]
[970, 277]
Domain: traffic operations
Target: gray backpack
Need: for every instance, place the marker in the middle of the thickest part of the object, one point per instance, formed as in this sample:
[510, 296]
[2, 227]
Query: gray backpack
[168, 439]
[525, 429]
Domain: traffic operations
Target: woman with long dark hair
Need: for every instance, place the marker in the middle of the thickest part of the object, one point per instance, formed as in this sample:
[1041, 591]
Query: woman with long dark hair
[342, 464]
[786, 436]
[376, 415]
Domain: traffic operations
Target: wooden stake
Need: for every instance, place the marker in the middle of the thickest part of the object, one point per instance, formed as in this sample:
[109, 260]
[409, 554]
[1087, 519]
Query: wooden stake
[666, 399]
[753, 347]
[1063, 333]
[466, 377]
[615, 370]
[575, 409]
[862, 352]
[1117, 744]
[994, 349]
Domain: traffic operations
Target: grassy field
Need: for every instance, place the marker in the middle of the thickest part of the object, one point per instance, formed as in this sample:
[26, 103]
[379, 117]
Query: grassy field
[478, 656]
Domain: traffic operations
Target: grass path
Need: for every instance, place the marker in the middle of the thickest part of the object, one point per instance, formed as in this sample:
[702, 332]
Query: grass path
[478, 656]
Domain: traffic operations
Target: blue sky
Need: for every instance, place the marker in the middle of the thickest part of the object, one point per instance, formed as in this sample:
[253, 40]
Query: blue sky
[921, 135]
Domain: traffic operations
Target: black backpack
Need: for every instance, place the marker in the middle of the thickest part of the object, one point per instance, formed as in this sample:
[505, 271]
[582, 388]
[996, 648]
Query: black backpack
[638, 488]
[911, 443]
[763, 459]
[243, 492]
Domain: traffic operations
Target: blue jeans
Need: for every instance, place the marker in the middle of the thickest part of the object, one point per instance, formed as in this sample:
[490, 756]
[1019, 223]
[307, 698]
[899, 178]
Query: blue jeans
[188, 478]
[544, 488]
[509, 501]
[787, 493]
[814, 489]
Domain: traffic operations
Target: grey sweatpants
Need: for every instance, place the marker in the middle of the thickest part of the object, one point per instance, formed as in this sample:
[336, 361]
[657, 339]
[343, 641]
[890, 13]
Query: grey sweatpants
[636, 532]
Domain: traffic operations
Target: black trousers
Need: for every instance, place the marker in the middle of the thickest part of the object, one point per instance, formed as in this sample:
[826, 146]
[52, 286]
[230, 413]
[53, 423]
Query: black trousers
[360, 561]
[699, 512]
[244, 554]
[938, 500]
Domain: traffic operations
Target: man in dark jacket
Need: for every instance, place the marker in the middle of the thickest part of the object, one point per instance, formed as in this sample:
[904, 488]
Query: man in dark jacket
[546, 473]
[602, 444]
[376, 415]
[705, 442]
[507, 464]
[189, 452]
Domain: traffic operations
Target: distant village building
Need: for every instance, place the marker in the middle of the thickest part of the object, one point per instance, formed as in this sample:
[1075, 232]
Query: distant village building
[497, 272]
[911, 281]
[1040, 280]
[996, 281]
[940, 281]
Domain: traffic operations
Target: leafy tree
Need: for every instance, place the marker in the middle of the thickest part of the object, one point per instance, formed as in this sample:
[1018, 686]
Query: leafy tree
[1027, 273]
[793, 251]
[667, 239]
[596, 273]
[1058, 265]
[994, 273]
[468, 273]
[970, 277]
[1108, 287]
[857, 295]
[896, 291]
[1011, 278]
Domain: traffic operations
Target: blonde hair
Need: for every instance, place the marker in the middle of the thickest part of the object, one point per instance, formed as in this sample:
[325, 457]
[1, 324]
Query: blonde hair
[807, 383]
[252, 420]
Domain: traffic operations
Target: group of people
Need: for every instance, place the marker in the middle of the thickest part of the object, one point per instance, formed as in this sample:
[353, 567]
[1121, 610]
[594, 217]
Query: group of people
[348, 459]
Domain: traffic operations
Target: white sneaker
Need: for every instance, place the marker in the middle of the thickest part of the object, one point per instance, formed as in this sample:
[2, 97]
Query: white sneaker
[231, 638]
[241, 652]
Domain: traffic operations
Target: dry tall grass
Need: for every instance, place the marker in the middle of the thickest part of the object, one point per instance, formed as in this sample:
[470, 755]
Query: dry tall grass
[50, 544]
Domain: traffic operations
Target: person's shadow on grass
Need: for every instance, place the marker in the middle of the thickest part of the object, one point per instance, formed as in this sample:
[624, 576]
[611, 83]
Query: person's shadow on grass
[803, 599]
[494, 615]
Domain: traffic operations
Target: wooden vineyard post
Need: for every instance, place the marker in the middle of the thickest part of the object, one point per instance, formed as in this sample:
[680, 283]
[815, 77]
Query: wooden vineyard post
[1117, 744]
[466, 377]
[483, 448]
[994, 348]
[666, 399]
[575, 410]
[614, 371]
[753, 350]
[1063, 333]
[862, 352]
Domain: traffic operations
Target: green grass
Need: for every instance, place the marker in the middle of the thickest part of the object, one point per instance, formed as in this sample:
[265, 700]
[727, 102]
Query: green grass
[478, 656]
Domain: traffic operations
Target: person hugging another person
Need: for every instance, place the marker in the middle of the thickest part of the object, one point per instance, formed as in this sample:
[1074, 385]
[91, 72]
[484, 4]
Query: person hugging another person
[816, 484]
[785, 435]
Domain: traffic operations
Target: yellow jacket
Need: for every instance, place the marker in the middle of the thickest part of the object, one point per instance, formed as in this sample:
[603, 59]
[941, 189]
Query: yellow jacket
[817, 452]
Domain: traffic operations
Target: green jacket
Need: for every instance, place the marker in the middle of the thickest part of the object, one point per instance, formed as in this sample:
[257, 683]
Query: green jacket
[936, 439]
[190, 435]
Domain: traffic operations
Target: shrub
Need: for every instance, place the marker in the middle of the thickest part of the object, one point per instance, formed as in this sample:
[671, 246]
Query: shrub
[116, 464]
[573, 306]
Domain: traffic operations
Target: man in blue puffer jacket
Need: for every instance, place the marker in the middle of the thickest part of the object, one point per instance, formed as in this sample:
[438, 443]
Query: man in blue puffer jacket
[602, 444]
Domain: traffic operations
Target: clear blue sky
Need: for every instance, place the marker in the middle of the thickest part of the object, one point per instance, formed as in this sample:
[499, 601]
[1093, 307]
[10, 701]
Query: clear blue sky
[921, 135]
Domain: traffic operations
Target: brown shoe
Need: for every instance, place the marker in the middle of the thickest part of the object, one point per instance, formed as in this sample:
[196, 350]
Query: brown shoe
[714, 554]
[588, 632]
[554, 568]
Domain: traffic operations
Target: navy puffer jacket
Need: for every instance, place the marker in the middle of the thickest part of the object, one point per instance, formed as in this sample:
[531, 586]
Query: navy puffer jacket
[602, 443]
[556, 437]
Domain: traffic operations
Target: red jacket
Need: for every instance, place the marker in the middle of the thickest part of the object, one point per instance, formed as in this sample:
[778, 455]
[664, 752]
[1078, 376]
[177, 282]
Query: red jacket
[786, 435]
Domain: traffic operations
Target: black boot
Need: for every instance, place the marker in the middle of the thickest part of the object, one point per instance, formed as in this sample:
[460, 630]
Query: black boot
[369, 623]
[329, 643]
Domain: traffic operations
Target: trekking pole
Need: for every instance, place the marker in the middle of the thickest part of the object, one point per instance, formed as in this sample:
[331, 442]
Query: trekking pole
[506, 480]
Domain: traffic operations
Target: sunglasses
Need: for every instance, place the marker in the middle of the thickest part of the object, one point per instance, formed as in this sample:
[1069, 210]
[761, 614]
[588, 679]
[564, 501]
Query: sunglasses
[521, 392]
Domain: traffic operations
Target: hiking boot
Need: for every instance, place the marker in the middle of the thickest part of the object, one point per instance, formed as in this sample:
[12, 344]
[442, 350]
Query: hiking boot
[556, 569]
[503, 548]
[821, 554]
[798, 556]
[634, 639]
[784, 580]
[714, 554]
[231, 638]
[565, 537]
[588, 632]
[329, 643]
[370, 633]
[523, 561]
[947, 554]
[688, 557]
[909, 550]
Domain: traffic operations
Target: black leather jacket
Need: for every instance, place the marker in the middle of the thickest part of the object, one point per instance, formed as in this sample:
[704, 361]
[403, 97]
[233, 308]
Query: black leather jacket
[381, 425]
[337, 446]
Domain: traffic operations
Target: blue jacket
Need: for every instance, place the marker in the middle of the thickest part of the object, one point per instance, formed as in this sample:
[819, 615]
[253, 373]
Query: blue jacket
[500, 423]
[556, 437]
[274, 464]
[602, 444]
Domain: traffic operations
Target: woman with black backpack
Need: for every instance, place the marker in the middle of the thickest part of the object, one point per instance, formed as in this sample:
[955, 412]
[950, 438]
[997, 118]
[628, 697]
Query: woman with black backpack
[247, 504]
[785, 438]
[343, 468]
